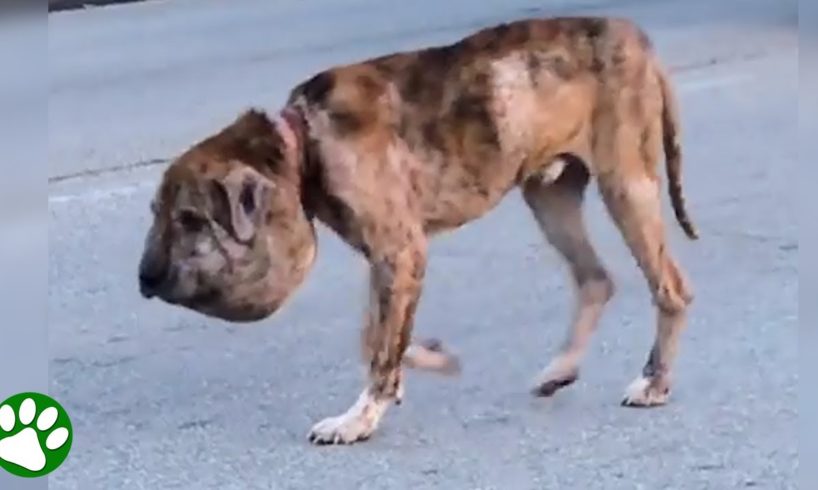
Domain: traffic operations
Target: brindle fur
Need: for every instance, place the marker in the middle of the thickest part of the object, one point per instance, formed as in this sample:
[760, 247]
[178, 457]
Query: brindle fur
[394, 150]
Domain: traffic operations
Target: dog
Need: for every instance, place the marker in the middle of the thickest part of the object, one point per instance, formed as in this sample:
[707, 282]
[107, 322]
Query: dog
[394, 150]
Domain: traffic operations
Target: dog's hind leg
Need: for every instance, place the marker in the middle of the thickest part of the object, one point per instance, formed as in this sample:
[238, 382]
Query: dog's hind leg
[631, 191]
[557, 207]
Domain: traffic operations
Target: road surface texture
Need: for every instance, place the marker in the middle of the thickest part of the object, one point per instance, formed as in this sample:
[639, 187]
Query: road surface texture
[166, 399]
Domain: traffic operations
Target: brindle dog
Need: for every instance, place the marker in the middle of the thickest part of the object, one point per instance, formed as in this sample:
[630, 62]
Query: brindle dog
[391, 151]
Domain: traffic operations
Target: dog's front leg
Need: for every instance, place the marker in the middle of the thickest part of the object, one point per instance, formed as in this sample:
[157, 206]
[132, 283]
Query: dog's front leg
[395, 282]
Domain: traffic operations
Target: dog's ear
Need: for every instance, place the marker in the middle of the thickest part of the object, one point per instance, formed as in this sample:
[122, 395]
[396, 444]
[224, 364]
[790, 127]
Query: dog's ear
[244, 192]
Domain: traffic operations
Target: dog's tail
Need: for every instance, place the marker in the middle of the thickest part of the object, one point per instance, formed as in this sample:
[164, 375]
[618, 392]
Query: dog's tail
[673, 154]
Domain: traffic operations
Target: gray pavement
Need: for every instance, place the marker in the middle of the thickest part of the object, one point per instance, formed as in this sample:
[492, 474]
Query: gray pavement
[163, 398]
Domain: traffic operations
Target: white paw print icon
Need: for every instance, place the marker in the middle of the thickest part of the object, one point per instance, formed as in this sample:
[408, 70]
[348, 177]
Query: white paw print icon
[24, 447]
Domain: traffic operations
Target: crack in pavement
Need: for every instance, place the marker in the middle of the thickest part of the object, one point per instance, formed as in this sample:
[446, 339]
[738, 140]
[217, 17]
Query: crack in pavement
[97, 172]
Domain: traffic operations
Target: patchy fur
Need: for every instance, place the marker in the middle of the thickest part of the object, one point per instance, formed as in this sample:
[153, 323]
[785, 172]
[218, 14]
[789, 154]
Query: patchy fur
[391, 151]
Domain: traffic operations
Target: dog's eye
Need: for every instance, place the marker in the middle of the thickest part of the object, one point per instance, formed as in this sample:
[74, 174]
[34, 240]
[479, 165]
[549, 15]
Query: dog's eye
[154, 208]
[191, 221]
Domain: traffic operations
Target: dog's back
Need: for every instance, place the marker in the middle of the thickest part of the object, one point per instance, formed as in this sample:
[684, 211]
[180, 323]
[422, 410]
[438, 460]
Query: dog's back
[479, 116]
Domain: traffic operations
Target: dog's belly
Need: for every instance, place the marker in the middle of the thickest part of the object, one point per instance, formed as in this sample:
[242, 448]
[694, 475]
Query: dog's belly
[464, 193]
[462, 197]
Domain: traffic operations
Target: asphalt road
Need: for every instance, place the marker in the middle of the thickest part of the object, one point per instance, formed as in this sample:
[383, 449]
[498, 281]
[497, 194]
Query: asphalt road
[166, 399]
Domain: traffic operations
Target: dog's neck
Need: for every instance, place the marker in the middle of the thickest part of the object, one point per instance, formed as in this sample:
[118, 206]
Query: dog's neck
[292, 126]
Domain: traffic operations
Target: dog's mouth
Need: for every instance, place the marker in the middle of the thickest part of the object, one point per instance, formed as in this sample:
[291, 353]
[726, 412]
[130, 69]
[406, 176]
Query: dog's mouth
[204, 300]
[234, 315]
[214, 304]
[205, 297]
[219, 301]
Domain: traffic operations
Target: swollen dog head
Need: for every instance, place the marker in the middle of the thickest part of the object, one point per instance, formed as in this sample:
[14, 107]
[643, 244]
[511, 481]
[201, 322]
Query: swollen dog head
[230, 237]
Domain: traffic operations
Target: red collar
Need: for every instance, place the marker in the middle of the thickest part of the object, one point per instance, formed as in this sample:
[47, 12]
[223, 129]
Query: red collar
[295, 119]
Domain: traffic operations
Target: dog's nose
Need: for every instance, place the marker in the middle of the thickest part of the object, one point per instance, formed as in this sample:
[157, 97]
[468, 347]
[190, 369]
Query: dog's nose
[148, 283]
[151, 276]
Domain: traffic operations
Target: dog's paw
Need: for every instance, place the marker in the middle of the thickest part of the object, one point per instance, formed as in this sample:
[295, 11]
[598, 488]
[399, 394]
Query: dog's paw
[431, 355]
[343, 429]
[357, 424]
[646, 392]
[557, 375]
